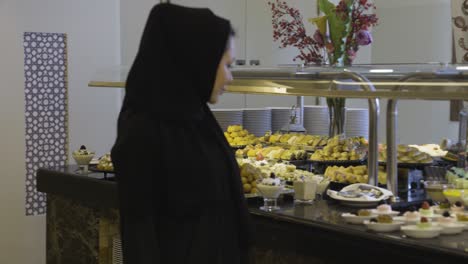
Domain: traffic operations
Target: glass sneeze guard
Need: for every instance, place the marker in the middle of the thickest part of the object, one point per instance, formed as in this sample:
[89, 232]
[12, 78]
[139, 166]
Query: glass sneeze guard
[431, 81]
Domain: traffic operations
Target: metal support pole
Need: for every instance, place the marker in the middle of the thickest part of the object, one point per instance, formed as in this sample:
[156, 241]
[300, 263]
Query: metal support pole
[392, 161]
[392, 123]
[300, 106]
[463, 116]
[374, 110]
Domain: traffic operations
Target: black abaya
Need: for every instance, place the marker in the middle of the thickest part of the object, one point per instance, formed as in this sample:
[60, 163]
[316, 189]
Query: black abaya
[179, 186]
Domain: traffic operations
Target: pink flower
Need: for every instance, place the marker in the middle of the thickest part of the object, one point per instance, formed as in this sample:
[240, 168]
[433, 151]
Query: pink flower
[363, 38]
[318, 38]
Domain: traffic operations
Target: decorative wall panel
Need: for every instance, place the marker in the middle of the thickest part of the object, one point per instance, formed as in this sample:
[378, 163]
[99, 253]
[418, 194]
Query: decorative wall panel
[46, 109]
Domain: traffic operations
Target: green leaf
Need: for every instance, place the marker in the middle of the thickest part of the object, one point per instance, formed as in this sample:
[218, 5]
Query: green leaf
[338, 27]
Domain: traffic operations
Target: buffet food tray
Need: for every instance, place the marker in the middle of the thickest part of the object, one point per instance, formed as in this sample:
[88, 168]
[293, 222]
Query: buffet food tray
[93, 168]
[339, 162]
[409, 165]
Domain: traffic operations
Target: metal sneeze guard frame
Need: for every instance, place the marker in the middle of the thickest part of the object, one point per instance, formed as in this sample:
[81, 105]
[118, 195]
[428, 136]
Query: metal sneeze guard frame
[431, 81]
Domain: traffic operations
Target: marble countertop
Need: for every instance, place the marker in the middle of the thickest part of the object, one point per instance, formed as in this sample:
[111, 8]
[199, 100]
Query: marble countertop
[95, 191]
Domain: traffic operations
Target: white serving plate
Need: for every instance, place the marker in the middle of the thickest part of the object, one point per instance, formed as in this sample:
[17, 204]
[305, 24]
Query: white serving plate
[416, 232]
[404, 219]
[437, 210]
[451, 228]
[432, 217]
[383, 227]
[392, 213]
[365, 202]
[356, 219]
[465, 223]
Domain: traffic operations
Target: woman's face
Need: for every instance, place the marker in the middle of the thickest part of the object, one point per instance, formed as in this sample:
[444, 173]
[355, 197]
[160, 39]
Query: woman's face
[223, 74]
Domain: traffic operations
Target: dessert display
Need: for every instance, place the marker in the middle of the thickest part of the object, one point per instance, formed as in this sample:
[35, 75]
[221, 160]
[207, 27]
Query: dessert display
[270, 187]
[304, 189]
[410, 217]
[237, 136]
[360, 194]
[443, 206]
[359, 217]
[457, 207]
[105, 163]
[385, 209]
[406, 154]
[446, 218]
[338, 149]
[454, 195]
[262, 169]
[426, 210]
[364, 212]
[422, 230]
[450, 156]
[462, 218]
[296, 139]
[352, 174]
[276, 153]
[424, 223]
[434, 150]
[383, 223]
[249, 175]
[83, 157]
[434, 190]
[457, 177]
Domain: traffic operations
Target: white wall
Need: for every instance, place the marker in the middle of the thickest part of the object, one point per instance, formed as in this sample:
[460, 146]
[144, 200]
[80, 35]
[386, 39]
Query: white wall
[415, 31]
[93, 38]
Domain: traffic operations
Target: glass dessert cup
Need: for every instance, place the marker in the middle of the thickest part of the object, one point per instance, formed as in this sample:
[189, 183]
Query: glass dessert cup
[270, 195]
[83, 160]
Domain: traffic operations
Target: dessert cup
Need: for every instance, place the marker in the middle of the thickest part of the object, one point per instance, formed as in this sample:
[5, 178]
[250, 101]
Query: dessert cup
[83, 160]
[270, 195]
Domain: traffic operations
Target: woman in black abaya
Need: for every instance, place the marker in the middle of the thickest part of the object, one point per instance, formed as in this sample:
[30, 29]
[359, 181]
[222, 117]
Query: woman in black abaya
[180, 194]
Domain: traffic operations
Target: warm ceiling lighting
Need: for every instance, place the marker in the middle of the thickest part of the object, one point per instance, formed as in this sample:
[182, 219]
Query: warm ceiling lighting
[381, 70]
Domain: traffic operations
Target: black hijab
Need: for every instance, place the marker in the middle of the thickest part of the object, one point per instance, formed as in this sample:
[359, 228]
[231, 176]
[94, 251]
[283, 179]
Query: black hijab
[175, 67]
[167, 134]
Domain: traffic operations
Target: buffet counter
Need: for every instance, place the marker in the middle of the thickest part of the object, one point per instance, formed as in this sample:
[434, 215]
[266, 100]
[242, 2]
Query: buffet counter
[82, 222]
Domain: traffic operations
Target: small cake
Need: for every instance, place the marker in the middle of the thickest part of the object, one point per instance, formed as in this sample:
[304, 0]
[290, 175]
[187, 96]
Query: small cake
[384, 209]
[446, 218]
[363, 212]
[426, 209]
[445, 205]
[462, 218]
[457, 207]
[424, 223]
[412, 215]
[384, 219]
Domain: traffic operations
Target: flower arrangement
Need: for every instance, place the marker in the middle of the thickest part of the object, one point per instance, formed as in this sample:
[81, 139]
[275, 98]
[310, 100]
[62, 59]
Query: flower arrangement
[340, 31]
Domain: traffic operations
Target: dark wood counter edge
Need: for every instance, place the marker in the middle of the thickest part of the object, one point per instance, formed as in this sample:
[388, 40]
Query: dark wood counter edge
[100, 193]
[433, 252]
[96, 193]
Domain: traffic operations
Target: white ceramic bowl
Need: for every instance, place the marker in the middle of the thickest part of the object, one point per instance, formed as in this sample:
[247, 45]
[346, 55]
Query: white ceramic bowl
[416, 232]
[383, 227]
[268, 191]
[356, 219]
